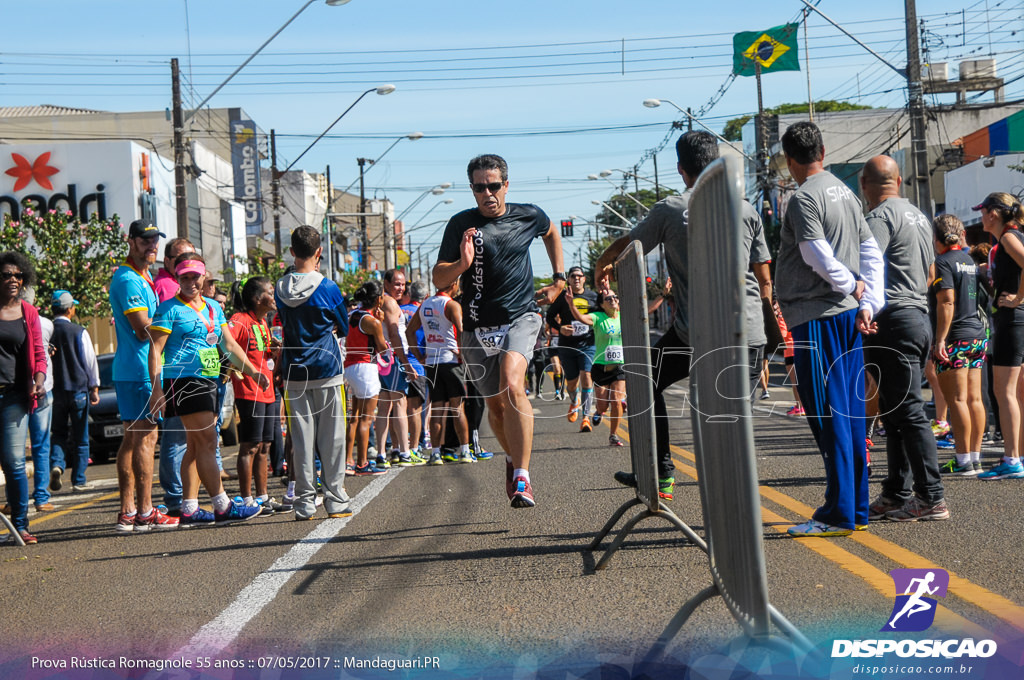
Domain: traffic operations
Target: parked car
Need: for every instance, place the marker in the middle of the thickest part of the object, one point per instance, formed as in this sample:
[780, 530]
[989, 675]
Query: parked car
[228, 433]
[105, 427]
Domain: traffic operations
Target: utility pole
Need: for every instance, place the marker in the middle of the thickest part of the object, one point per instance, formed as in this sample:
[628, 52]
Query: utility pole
[657, 187]
[328, 229]
[362, 217]
[177, 122]
[275, 193]
[915, 104]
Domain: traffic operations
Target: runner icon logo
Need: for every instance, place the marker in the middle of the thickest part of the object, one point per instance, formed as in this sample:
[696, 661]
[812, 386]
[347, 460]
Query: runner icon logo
[915, 606]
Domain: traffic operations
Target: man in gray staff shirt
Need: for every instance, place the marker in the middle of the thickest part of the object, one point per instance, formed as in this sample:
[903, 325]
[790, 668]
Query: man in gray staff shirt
[895, 354]
[667, 224]
[829, 278]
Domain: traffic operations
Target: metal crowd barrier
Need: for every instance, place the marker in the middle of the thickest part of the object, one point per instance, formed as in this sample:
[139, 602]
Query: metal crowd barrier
[631, 272]
[721, 412]
[10, 527]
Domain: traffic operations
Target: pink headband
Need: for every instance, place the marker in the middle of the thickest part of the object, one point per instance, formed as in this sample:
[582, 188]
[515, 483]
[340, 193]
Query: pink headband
[190, 267]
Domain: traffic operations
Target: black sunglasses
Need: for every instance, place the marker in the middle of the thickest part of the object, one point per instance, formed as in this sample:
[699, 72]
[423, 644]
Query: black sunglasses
[493, 187]
[13, 275]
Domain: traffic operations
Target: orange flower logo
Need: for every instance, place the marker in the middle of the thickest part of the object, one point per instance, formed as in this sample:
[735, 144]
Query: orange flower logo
[26, 172]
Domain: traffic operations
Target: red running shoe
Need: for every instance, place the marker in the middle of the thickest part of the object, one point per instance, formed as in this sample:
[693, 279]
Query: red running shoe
[523, 494]
[155, 520]
[510, 484]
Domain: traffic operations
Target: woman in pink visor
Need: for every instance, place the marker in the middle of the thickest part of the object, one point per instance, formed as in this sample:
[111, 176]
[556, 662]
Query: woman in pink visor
[186, 333]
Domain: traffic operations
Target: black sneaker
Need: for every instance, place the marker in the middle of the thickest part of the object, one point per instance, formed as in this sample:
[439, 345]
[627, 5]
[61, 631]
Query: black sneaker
[625, 478]
[55, 481]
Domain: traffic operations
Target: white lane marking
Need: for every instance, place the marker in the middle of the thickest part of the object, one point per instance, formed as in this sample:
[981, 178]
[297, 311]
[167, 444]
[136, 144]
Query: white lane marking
[218, 634]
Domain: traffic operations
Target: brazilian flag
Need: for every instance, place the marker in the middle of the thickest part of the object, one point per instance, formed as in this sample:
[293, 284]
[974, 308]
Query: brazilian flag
[774, 49]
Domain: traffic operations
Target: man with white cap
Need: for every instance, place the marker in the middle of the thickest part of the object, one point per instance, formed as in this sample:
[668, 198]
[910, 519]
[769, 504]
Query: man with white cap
[76, 385]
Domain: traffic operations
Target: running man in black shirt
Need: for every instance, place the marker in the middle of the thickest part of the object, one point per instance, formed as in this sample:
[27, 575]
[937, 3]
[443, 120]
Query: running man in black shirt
[489, 248]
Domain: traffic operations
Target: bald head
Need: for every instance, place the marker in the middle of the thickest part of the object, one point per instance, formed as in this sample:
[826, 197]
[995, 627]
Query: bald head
[880, 180]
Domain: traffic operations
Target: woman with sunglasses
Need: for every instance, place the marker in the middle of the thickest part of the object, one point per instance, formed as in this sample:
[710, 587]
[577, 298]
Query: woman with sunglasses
[22, 372]
[186, 332]
[1003, 218]
[607, 373]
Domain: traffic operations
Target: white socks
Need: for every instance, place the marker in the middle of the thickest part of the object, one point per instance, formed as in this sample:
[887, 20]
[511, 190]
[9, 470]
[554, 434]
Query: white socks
[221, 502]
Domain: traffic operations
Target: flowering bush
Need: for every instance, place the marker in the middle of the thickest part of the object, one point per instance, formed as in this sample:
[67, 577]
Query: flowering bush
[261, 264]
[68, 255]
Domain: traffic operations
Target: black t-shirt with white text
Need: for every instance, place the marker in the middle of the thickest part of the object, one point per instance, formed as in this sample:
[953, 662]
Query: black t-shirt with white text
[560, 315]
[956, 270]
[498, 287]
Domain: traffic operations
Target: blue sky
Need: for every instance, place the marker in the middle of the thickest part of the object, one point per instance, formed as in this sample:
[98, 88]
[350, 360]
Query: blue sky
[554, 87]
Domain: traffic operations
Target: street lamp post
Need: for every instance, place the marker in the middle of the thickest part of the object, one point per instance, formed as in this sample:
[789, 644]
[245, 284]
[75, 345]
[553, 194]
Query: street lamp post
[604, 175]
[599, 224]
[192, 113]
[615, 212]
[436, 190]
[382, 90]
[373, 161]
[275, 176]
[179, 120]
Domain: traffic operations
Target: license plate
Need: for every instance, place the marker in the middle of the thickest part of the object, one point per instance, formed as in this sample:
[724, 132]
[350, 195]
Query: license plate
[110, 431]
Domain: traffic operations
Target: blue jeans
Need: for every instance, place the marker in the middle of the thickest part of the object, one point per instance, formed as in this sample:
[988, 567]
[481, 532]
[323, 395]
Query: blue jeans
[14, 424]
[39, 431]
[172, 450]
[70, 443]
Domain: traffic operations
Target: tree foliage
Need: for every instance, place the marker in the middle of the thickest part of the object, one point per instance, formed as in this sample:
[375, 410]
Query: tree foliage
[733, 130]
[69, 254]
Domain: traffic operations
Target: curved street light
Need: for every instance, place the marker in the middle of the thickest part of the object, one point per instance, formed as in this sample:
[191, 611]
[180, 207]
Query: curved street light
[192, 113]
[604, 175]
[412, 136]
[436, 190]
[655, 103]
[605, 225]
[447, 201]
[615, 212]
[382, 90]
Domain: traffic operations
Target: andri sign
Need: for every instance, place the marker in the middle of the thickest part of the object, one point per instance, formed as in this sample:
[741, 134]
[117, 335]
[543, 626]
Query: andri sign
[86, 178]
[36, 174]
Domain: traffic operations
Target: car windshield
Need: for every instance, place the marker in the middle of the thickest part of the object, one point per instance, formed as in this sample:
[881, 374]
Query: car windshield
[106, 364]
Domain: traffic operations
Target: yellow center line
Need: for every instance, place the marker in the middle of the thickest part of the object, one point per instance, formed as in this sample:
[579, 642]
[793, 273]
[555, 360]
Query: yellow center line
[39, 519]
[994, 604]
[878, 579]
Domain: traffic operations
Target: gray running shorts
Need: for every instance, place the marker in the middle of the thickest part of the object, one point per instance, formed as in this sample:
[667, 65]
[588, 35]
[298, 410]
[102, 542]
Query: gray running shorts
[483, 349]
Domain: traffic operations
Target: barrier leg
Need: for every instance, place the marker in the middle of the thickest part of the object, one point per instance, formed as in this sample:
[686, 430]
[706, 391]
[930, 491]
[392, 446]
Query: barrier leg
[611, 523]
[798, 639]
[14, 532]
[620, 538]
[628, 527]
[676, 624]
[682, 526]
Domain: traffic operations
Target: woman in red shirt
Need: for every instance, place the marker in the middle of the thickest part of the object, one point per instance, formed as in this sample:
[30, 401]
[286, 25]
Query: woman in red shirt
[254, 300]
[365, 341]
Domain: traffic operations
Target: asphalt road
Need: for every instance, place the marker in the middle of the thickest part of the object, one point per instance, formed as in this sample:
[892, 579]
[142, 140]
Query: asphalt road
[436, 564]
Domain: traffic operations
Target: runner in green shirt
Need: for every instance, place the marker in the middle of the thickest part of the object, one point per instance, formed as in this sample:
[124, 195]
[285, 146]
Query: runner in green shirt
[607, 373]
